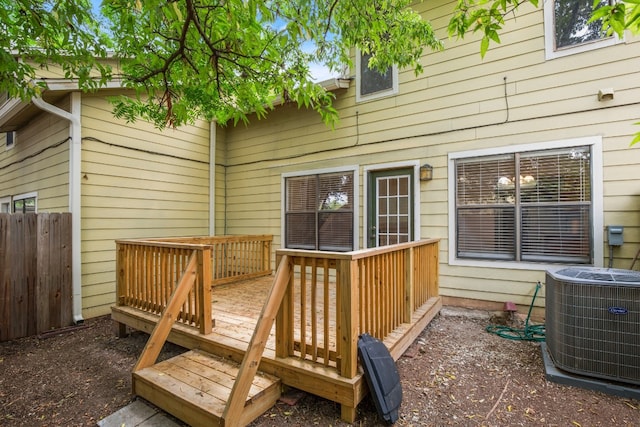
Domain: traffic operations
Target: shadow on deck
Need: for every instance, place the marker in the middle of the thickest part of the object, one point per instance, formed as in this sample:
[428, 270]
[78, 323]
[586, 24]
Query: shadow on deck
[299, 327]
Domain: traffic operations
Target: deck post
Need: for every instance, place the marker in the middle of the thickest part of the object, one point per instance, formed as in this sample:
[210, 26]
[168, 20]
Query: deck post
[120, 269]
[120, 329]
[348, 413]
[266, 255]
[434, 266]
[204, 288]
[409, 284]
[284, 318]
[348, 328]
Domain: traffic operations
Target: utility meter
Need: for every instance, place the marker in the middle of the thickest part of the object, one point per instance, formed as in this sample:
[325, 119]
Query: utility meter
[615, 235]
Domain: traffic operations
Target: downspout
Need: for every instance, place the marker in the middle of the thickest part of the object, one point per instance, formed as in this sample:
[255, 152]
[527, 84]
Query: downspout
[75, 133]
[213, 126]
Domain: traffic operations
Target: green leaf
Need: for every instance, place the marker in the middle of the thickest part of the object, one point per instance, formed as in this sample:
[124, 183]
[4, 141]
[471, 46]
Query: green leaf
[484, 46]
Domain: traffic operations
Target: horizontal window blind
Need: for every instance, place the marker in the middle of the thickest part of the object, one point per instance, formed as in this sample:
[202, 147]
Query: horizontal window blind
[319, 212]
[486, 233]
[531, 206]
[486, 213]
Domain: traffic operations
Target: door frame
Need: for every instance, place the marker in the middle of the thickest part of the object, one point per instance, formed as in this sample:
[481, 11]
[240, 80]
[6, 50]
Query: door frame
[367, 170]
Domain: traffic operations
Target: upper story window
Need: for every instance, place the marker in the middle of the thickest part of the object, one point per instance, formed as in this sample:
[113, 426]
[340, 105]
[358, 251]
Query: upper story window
[524, 206]
[567, 30]
[319, 211]
[10, 138]
[371, 83]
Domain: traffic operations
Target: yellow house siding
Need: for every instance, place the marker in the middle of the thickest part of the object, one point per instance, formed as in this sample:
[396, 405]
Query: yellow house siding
[38, 163]
[137, 182]
[457, 105]
[220, 181]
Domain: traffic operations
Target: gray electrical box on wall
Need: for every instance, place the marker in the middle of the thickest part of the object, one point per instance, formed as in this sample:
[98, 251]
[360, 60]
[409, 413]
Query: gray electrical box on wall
[615, 235]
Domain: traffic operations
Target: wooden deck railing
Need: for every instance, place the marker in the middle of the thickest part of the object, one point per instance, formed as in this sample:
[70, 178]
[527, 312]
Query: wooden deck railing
[233, 257]
[148, 271]
[177, 299]
[334, 297]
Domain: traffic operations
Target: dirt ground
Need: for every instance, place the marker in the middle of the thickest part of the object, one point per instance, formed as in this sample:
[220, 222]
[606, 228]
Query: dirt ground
[454, 374]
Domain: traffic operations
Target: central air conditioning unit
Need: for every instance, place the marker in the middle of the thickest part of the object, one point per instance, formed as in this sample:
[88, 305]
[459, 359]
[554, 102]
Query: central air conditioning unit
[593, 322]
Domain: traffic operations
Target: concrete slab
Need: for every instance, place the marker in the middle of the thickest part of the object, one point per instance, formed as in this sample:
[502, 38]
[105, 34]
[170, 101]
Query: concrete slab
[562, 377]
[451, 311]
[138, 414]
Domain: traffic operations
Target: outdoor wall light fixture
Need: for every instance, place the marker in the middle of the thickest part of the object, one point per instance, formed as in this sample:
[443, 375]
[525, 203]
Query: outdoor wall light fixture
[426, 172]
[605, 94]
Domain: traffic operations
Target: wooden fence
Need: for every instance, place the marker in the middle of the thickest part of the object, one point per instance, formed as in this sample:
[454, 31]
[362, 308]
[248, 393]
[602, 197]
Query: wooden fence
[35, 274]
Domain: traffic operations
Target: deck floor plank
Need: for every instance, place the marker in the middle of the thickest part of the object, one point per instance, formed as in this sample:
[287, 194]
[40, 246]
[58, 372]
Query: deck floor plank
[203, 383]
[227, 371]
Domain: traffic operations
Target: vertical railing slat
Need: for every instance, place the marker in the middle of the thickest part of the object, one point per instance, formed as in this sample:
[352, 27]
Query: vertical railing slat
[303, 307]
[326, 312]
[376, 291]
[314, 308]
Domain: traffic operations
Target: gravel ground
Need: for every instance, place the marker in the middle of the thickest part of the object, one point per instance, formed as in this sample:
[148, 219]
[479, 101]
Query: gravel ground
[454, 374]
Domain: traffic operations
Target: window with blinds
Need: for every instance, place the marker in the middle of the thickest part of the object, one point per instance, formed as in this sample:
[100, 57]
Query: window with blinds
[319, 212]
[529, 206]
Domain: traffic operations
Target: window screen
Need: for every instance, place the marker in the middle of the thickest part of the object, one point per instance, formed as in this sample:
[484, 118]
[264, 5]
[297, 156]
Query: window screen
[319, 212]
[372, 80]
[544, 215]
[571, 23]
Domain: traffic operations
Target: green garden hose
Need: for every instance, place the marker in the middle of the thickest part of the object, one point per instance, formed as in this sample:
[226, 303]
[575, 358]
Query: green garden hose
[529, 333]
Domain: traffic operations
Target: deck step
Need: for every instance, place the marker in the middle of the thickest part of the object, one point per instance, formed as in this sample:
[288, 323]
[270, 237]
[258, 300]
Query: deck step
[196, 385]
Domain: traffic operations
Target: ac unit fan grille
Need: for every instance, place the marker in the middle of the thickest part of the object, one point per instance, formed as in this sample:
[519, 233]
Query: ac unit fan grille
[593, 327]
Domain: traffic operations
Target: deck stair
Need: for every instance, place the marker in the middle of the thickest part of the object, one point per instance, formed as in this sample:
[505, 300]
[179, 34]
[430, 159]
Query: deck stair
[199, 388]
[195, 387]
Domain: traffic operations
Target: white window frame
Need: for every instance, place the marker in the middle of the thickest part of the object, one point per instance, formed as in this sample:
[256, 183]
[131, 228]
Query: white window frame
[595, 142]
[33, 194]
[5, 204]
[376, 95]
[356, 197]
[550, 50]
[415, 164]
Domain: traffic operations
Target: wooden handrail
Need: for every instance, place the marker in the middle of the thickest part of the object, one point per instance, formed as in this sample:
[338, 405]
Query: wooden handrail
[148, 269]
[249, 366]
[372, 290]
[147, 275]
[161, 331]
[233, 257]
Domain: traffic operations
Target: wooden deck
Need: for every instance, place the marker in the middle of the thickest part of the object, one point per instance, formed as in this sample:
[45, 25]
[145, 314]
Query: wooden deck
[306, 350]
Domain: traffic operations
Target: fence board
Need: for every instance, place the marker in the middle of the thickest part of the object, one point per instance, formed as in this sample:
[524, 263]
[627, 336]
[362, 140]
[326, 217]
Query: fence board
[19, 293]
[5, 296]
[35, 273]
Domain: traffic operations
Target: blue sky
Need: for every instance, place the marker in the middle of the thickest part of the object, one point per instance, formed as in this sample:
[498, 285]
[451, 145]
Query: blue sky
[318, 72]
